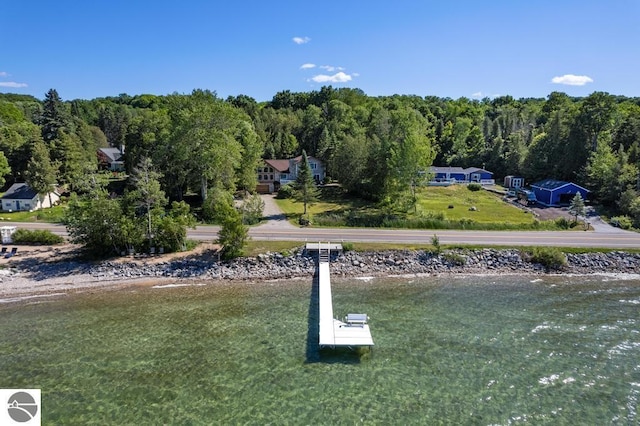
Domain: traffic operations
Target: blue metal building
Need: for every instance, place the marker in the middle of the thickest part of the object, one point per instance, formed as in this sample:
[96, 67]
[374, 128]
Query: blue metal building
[551, 192]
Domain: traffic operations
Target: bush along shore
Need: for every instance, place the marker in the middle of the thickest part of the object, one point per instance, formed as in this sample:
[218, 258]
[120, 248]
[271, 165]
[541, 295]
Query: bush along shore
[350, 264]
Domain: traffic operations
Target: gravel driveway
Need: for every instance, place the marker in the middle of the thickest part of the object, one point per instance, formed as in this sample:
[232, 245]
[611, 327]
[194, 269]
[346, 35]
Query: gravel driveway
[272, 213]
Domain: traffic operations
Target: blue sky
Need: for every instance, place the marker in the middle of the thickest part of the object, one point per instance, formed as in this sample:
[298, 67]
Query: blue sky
[94, 48]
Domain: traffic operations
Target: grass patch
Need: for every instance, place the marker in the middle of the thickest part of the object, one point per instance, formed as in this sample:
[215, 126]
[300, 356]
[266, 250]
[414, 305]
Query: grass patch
[490, 208]
[52, 215]
[453, 207]
[254, 248]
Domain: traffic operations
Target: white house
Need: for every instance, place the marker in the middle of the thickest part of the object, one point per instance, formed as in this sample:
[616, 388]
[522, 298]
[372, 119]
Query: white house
[20, 197]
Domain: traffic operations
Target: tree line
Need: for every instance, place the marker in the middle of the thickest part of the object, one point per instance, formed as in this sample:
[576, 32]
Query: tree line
[376, 147]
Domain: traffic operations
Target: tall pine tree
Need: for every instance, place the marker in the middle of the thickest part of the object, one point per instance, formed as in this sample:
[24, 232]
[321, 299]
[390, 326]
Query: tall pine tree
[306, 191]
[54, 116]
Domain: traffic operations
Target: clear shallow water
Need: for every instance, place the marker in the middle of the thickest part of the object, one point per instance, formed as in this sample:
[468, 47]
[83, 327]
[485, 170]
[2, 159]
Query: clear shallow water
[460, 350]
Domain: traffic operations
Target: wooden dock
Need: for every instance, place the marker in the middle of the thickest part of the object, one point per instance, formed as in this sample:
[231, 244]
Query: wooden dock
[354, 331]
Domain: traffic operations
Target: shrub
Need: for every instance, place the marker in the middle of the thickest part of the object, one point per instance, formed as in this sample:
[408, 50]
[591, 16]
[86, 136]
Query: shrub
[474, 187]
[455, 259]
[233, 236]
[435, 242]
[347, 247]
[304, 220]
[563, 223]
[623, 222]
[285, 191]
[549, 257]
[252, 209]
[35, 237]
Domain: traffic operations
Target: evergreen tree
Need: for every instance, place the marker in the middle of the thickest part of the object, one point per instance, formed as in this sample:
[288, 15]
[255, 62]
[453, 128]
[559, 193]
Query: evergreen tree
[306, 191]
[577, 208]
[54, 116]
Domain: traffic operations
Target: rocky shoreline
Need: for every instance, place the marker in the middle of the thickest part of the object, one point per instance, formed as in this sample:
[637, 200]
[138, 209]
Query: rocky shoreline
[384, 263]
[32, 276]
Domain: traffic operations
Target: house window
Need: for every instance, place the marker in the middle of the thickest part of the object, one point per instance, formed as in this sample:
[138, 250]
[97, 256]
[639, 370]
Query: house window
[271, 177]
[313, 166]
[283, 176]
[266, 169]
[270, 170]
[259, 177]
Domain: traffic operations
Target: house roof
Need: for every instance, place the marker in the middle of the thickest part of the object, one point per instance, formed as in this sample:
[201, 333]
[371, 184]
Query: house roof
[113, 154]
[309, 158]
[279, 165]
[553, 184]
[436, 169]
[19, 191]
[476, 169]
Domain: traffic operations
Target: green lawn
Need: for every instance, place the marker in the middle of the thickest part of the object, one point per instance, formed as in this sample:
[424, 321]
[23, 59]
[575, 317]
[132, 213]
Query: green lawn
[432, 212]
[52, 215]
[490, 207]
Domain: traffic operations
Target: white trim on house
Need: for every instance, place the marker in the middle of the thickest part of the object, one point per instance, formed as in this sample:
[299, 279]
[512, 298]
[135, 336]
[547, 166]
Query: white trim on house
[19, 197]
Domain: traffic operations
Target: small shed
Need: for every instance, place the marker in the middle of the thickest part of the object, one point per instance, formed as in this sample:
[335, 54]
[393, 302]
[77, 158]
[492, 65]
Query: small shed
[513, 182]
[551, 192]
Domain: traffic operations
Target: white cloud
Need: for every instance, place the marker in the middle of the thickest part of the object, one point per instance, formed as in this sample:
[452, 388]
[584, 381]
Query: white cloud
[12, 84]
[572, 80]
[307, 66]
[331, 68]
[339, 77]
[4, 74]
[301, 40]
[477, 95]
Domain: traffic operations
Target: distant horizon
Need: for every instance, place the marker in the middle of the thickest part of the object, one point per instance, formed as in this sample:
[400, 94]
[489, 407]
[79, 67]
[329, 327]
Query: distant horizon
[455, 50]
[41, 98]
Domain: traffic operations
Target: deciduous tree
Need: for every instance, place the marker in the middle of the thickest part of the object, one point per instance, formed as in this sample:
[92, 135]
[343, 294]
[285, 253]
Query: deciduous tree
[41, 172]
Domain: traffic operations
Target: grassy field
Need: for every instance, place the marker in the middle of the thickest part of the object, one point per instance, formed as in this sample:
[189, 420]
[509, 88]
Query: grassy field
[453, 207]
[256, 247]
[490, 207]
[52, 215]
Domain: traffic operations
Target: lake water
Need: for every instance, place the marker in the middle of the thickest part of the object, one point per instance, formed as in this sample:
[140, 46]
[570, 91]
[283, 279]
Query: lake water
[455, 350]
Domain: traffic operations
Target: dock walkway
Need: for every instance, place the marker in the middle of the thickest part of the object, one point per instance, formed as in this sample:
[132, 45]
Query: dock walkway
[333, 333]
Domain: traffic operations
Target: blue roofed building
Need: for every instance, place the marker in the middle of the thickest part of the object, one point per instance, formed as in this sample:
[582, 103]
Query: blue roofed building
[460, 175]
[551, 192]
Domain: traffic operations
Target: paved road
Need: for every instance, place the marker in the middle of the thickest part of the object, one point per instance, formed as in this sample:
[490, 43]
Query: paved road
[603, 237]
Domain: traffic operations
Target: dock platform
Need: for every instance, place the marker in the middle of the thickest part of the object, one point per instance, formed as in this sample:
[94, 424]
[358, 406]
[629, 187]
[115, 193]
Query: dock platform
[333, 332]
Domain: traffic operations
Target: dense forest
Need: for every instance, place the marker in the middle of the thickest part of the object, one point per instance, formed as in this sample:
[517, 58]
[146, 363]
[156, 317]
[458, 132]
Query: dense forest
[375, 147]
